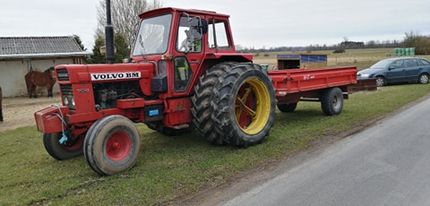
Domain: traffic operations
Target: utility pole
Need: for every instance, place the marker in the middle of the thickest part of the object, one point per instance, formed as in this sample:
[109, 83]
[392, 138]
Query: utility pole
[110, 51]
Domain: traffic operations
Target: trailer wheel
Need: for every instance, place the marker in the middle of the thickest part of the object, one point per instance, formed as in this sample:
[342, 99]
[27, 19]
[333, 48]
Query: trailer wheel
[59, 151]
[201, 109]
[158, 126]
[244, 105]
[112, 145]
[332, 101]
[288, 108]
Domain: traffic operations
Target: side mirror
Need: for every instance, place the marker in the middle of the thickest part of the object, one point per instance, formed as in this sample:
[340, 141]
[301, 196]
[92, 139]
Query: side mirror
[391, 68]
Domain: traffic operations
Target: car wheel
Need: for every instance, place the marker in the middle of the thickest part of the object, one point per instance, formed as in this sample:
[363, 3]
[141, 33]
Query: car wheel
[423, 79]
[380, 81]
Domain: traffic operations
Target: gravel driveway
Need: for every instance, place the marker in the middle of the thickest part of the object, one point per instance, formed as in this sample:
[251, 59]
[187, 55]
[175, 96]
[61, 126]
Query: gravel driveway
[18, 112]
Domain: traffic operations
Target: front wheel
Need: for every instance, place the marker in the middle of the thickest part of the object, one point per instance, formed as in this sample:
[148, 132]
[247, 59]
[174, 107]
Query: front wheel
[423, 79]
[61, 151]
[112, 145]
[380, 81]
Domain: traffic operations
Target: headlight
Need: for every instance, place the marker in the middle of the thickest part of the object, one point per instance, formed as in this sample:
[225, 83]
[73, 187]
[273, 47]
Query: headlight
[66, 101]
[365, 75]
[69, 101]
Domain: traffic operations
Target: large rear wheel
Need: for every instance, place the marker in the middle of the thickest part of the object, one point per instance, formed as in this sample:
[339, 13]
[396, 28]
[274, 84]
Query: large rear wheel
[201, 101]
[112, 145]
[62, 151]
[244, 106]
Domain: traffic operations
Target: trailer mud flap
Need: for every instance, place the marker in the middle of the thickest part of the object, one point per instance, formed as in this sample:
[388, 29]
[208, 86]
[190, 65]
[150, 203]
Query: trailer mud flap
[363, 85]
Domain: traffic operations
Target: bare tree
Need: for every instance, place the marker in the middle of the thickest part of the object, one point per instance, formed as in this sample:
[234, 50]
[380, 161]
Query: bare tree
[125, 16]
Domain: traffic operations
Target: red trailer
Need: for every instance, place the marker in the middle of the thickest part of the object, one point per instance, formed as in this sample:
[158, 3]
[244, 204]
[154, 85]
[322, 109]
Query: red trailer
[184, 73]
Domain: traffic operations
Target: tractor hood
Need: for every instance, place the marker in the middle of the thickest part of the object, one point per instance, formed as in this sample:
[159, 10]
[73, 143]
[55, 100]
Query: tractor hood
[103, 72]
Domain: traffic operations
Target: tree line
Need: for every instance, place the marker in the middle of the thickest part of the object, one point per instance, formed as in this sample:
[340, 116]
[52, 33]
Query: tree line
[421, 43]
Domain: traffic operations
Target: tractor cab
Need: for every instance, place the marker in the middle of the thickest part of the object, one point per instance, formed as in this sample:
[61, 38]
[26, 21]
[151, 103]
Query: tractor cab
[181, 43]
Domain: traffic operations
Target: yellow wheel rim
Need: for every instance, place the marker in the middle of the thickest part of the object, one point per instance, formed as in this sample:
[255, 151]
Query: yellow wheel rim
[252, 106]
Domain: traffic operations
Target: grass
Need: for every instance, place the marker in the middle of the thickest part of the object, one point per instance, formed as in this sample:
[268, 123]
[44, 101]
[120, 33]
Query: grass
[172, 167]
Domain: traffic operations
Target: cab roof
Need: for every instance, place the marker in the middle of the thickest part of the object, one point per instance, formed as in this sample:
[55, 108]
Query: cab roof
[165, 10]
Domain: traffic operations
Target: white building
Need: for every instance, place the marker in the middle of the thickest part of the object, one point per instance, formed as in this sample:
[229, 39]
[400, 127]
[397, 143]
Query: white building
[20, 54]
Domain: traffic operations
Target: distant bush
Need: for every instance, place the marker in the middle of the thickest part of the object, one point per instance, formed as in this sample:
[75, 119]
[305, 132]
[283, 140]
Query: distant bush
[266, 55]
[257, 54]
[338, 51]
[420, 42]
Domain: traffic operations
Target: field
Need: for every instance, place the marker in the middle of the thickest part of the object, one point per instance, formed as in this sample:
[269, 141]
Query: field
[361, 58]
[170, 168]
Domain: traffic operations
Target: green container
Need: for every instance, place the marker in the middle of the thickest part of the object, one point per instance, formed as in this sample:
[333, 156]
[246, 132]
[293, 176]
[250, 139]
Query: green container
[397, 52]
[412, 51]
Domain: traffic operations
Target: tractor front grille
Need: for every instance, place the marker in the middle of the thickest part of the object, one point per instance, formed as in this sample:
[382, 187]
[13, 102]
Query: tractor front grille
[66, 90]
[62, 75]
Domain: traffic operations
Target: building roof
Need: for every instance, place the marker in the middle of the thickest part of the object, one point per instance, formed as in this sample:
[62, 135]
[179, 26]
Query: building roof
[40, 47]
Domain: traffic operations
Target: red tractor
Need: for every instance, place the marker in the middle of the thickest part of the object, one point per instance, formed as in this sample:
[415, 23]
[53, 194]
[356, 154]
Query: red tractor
[184, 73]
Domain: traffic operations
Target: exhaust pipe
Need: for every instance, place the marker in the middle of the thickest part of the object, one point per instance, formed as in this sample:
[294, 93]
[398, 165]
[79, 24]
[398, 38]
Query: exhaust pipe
[109, 35]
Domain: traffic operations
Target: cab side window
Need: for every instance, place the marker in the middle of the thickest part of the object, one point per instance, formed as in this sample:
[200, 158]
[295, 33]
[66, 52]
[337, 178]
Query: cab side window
[217, 35]
[189, 35]
[183, 73]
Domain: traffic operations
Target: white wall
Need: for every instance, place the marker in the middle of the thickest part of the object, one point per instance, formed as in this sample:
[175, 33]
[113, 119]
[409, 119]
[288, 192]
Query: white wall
[12, 74]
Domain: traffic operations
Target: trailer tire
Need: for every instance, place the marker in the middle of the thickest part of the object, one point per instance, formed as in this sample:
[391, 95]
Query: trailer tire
[201, 109]
[288, 108]
[244, 106]
[158, 126]
[61, 152]
[332, 101]
[112, 145]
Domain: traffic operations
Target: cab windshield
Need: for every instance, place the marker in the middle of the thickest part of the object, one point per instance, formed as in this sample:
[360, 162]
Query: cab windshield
[153, 36]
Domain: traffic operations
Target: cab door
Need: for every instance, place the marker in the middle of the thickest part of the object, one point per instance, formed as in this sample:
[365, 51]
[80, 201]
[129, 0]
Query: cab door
[189, 51]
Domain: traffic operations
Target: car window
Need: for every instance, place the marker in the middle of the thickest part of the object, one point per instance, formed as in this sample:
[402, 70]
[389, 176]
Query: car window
[424, 62]
[410, 63]
[397, 64]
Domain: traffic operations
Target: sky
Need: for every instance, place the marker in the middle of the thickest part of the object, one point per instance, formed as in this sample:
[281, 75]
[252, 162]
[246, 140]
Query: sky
[255, 23]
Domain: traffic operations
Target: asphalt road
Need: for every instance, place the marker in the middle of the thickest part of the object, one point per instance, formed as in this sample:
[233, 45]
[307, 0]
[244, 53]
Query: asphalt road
[386, 164]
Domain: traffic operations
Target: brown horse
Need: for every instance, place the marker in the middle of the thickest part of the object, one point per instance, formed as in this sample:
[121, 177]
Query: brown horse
[1, 106]
[35, 79]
